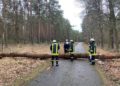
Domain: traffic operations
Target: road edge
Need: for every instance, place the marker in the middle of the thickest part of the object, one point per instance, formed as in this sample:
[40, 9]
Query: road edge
[103, 76]
[26, 79]
[98, 69]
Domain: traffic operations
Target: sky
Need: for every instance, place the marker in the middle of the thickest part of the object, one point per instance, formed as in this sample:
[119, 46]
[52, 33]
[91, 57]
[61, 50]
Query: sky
[72, 12]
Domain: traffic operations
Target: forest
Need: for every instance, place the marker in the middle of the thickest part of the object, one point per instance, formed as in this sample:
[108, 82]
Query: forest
[102, 22]
[34, 50]
[34, 21]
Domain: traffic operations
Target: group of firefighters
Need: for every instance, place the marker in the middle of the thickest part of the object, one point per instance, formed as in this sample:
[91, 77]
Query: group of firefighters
[55, 47]
[69, 48]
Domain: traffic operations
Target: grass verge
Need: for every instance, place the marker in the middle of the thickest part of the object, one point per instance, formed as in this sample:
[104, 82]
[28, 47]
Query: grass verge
[24, 80]
[102, 75]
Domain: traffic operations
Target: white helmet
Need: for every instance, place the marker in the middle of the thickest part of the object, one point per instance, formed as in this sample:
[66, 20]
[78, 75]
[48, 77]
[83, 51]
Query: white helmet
[71, 40]
[92, 39]
[67, 42]
[54, 41]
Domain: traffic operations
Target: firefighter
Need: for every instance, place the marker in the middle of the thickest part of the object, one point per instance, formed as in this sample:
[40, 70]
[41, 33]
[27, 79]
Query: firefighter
[71, 49]
[66, 46]
[92, 51]
[71, 46]
[55, 52]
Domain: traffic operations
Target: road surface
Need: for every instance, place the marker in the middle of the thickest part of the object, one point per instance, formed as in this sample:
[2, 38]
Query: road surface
[76, 73]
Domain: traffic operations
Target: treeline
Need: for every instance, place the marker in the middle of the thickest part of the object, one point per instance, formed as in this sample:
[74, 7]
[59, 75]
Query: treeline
[33, 21]
[102, 22]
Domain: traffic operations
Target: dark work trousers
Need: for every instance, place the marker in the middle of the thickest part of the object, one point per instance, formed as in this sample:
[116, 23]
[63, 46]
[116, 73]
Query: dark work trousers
[53, 59]
[91, 58]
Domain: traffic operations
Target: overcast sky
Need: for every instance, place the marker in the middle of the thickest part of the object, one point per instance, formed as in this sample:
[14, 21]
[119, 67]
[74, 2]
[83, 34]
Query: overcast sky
[72, 12]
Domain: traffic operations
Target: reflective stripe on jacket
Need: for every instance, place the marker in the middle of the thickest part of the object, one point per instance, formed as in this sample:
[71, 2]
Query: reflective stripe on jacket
[92, 50]
[55, 49]
[71, 47]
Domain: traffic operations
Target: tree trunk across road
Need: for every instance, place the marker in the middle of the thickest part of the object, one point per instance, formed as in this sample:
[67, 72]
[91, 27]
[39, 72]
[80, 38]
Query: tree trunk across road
[76, 73]
[79, 53]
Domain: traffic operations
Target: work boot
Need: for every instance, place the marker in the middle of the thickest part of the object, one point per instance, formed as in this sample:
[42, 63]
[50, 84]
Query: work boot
[57, 63]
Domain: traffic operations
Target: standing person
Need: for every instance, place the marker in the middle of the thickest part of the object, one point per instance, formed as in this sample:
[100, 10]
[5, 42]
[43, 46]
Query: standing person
[66, 46]
[92, 51]
[71, 46]
[71, 50]
[55, 52]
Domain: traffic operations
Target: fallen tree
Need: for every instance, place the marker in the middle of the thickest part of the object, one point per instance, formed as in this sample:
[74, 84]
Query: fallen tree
[63, 56]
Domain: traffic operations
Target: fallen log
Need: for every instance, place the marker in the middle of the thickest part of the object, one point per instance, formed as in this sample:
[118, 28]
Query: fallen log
[102, 57]
[63, 56]
[28, 55]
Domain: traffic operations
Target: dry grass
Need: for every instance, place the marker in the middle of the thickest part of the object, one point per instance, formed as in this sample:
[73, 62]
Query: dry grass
[111, 67]
[112, 70]
[27, 48]
[12, 69]
[61, 49]
[103, 51]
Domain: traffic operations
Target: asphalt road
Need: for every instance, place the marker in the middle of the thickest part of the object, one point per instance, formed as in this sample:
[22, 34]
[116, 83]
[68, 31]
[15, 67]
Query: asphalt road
[76, 73]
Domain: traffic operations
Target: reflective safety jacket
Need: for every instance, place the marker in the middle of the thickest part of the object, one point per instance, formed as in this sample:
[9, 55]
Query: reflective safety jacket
[92, 49]
[54, 49]
[71, 47]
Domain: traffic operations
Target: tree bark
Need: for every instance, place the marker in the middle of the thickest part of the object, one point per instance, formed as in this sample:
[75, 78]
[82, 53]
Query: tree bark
[63, 56]
[112, 23]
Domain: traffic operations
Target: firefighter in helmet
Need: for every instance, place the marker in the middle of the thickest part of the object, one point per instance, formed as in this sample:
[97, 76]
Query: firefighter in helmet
[92, 50]
[66, 46]
[71, 49]
[55, 52]
[71, 46]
